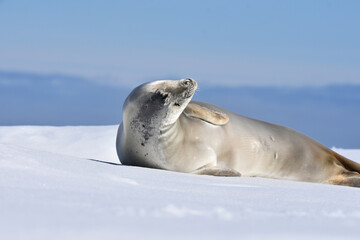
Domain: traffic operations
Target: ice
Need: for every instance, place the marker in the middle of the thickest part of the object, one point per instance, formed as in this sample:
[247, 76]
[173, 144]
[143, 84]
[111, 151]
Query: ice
[81, 141]
[66, 183]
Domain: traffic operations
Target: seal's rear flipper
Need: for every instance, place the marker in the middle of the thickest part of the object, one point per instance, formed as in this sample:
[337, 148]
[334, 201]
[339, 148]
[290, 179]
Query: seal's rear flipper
[351, 179]
[217, 171]
[347, 163]
[208, 115]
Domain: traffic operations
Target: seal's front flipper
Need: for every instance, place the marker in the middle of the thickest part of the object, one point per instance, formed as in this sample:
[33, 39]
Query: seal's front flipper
[217, 171]
[208, 115]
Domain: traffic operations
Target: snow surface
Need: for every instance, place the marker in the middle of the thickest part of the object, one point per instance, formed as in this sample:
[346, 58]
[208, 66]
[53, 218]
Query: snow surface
[66, 183]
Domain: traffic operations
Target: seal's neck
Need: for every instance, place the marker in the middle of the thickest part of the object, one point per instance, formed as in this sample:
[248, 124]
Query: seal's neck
[173, 113]
[170, 133]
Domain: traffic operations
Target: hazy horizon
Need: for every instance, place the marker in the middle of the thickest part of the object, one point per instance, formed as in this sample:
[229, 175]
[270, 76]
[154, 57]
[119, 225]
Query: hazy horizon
[329, 114]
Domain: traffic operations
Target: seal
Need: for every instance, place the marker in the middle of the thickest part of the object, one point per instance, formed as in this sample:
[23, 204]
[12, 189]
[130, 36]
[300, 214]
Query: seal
[162, 128]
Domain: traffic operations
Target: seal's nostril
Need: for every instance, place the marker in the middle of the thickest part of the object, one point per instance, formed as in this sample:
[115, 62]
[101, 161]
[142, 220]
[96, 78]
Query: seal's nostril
[187, 81]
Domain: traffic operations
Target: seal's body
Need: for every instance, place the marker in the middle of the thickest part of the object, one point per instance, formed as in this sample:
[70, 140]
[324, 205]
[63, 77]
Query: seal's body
[162, 129]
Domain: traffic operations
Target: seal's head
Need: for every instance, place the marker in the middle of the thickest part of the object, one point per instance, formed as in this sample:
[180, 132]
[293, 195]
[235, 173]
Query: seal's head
[158, 103]
[150, 110]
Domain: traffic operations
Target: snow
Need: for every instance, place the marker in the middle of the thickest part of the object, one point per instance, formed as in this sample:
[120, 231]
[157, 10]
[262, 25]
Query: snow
[66, 183]
[96, 142]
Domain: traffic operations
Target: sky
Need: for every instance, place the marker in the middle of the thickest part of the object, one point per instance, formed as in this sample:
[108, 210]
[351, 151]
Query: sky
[230, 43]
[294, 63]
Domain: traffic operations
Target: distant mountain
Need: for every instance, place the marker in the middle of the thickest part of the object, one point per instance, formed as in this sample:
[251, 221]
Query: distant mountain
[330, 114]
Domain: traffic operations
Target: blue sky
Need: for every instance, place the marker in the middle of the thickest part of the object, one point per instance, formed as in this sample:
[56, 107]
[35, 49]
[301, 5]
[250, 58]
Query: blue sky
[273, 43]
[74, 62]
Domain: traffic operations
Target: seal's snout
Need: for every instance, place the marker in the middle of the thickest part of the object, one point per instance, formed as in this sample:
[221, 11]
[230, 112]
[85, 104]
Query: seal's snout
[188, 86]
[188, 83]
